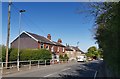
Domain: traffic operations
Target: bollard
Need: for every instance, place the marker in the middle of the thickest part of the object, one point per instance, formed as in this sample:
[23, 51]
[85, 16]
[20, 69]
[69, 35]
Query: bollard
[30, 65]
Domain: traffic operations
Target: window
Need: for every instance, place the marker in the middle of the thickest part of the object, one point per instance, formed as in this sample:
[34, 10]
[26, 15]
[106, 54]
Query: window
[52, 49]
[63, 49]
[42, 45]
[58, 49]
[47, 47]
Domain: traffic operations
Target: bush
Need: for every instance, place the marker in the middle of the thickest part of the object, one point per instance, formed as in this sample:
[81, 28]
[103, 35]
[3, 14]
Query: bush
[28, 54]
[13, 55]
[66, 57]
[61, 57]
[3, 53]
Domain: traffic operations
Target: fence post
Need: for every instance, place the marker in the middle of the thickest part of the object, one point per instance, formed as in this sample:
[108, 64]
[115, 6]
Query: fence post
[38, 63]
[30, 65]
[45, 62]
[50, 62]
[53, 61]
[2, 67]
[18, 65]
[59, 61]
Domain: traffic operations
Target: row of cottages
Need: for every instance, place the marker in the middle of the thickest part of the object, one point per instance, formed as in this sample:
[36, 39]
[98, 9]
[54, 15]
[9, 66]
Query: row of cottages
[73, 52]
[33, 41]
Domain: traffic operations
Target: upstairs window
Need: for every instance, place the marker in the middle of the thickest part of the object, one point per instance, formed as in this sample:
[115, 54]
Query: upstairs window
[42, 45]
[47, 47]
[52, 49]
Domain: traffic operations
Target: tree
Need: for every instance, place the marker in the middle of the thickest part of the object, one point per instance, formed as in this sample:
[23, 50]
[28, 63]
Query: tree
[91, 51]
[94, 52]
[108, 33]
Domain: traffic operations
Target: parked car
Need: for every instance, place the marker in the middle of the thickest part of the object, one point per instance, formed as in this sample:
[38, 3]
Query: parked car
[90, 59]
[81, 58]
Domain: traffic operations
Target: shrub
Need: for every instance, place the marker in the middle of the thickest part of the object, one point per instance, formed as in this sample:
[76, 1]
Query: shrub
[13, 55]
[61, 57]
[29, 54]
[3, 53]
[66, 57]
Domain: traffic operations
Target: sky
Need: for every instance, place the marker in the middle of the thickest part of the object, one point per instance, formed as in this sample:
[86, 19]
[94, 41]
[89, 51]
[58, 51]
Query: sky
[70, 21]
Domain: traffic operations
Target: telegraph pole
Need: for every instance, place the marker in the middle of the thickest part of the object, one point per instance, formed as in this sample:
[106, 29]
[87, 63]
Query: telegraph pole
[8, 32]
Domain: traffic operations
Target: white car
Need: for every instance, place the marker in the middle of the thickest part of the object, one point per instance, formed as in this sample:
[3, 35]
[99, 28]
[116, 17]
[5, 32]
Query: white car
[81, 58]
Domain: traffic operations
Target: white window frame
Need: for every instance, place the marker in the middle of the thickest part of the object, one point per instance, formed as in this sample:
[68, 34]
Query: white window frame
[63, 49]
[52, 49]
[58, 49]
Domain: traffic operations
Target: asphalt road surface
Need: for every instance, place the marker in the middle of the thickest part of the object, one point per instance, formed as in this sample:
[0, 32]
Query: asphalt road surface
[72, 69]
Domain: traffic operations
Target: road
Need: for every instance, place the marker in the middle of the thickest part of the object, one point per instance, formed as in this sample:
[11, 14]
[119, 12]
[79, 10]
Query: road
[72, 69]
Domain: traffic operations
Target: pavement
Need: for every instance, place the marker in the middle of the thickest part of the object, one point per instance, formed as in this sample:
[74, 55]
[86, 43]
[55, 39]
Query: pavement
[64, 71]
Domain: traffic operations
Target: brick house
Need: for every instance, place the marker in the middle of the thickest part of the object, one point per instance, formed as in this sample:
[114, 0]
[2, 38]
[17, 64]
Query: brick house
[33, 41]
[73, 52]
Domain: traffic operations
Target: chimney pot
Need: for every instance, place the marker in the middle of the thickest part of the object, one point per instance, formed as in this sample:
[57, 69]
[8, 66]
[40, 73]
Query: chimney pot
[59, 41]
[49, 36]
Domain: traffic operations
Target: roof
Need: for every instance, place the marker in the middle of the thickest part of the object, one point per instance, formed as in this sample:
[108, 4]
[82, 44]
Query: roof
[39, 38]
[77, 49]
[58, 44]
[68, 48]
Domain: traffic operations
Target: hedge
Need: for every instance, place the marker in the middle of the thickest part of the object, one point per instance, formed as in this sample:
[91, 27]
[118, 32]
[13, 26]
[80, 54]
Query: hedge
[28, 54]
[3, 52]
[65, 57]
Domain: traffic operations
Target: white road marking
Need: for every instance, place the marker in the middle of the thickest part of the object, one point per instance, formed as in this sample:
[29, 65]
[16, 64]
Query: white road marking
[65, 69]
[50, 74]
[95, 74]
[56, 72]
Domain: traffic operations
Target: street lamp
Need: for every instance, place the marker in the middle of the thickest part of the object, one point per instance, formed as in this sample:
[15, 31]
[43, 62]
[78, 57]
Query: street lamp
[77, 43]
[20, 14]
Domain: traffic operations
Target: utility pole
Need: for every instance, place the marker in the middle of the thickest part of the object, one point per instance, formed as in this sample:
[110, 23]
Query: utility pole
[8, 32]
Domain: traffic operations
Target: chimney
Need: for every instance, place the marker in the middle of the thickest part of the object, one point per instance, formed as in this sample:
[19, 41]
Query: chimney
[49, 36]
[59, 41]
